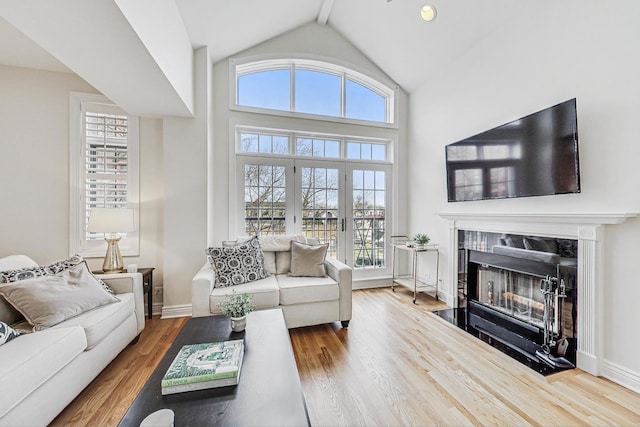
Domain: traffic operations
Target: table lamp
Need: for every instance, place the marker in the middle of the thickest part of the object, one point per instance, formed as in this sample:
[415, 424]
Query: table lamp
[111, 221]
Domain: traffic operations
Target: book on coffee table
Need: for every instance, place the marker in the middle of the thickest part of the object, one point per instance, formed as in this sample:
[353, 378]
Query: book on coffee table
[202, 366]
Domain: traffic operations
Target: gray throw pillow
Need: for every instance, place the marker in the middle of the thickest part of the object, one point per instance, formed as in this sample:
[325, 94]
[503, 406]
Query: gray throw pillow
[308, 260]
[237, 264]
[48, 300]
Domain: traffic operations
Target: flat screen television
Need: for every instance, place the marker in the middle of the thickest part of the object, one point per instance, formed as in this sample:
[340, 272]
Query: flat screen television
[536, 155]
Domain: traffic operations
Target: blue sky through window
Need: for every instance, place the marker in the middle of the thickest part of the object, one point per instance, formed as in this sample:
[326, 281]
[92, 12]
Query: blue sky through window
[363, 103]
[316, 92]
[265, 89]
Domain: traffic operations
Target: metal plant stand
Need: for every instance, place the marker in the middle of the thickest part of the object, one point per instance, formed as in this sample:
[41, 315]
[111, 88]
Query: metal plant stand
[411, 280]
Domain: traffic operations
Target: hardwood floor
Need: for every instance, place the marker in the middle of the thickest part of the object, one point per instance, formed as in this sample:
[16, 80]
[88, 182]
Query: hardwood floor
[396, 364]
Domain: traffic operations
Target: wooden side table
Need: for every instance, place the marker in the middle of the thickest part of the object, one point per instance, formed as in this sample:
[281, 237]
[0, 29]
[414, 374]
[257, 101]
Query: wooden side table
[147, 286]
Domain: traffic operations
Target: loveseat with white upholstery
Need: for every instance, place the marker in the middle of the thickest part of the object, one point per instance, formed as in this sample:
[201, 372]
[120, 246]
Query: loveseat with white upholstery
[305, 301]
[41, 372]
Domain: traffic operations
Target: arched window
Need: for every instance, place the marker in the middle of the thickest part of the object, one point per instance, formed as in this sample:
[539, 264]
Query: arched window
[312, 88]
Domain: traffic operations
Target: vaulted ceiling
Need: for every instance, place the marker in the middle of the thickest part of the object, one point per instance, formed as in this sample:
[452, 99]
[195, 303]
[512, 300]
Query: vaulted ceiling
[140, 44]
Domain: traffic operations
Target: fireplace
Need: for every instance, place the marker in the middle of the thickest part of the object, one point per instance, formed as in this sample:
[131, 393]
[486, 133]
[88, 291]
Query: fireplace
[585, 227]
[525, 305]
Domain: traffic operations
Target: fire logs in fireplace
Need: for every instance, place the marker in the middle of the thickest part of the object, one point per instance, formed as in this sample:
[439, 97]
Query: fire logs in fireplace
[524, 304]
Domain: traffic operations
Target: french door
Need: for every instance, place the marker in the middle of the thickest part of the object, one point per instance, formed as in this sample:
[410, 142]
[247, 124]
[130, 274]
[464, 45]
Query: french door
[320, 203]
[340, 203]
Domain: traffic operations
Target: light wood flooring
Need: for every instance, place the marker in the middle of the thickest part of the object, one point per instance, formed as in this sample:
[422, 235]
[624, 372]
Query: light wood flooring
[396, 364]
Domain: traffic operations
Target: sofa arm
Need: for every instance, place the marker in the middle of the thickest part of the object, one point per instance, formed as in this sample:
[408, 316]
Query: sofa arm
[122, 283]
[201, 287]
[342, 274]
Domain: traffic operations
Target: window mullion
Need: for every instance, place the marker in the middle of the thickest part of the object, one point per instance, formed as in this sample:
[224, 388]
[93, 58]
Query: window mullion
[343, 95]
[292, 90]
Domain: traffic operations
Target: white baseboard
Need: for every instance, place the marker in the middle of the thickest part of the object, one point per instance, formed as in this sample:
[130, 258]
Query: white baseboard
[182, 310]
[157, 308]
[588, 363]
[621, 375]
[382, 282]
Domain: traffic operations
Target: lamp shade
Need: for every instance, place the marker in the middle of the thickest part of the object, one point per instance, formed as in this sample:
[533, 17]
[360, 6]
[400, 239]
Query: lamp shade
[111, 220]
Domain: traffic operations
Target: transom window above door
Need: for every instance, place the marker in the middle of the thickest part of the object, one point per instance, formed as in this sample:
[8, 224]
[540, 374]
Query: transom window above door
[259, 141]
[313, 88]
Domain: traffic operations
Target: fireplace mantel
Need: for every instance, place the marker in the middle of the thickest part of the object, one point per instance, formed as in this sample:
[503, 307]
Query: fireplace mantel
[586, 227]
[585, 218]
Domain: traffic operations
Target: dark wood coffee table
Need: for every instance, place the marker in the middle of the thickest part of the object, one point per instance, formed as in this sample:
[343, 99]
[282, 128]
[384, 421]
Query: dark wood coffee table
[269, 392]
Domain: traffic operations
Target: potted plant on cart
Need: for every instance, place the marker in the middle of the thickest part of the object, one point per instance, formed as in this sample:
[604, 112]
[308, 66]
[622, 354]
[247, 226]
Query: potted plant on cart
[237, 307]
[421, 240]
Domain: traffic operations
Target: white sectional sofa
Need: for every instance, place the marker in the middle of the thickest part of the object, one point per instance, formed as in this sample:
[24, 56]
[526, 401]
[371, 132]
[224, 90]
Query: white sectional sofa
[305, 301]
[42, 372]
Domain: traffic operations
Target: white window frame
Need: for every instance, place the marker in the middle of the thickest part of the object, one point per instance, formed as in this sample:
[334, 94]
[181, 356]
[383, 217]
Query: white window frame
[387, 91]
[78, 244]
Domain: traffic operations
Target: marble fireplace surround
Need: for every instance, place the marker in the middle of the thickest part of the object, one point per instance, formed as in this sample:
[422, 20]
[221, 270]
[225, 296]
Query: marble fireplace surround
[588, 229]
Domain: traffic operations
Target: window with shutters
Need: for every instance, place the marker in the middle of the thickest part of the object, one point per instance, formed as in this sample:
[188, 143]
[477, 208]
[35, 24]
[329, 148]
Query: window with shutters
[104, 169]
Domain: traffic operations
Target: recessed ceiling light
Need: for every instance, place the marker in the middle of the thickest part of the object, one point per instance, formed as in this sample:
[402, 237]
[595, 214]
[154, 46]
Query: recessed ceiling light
[428, 12]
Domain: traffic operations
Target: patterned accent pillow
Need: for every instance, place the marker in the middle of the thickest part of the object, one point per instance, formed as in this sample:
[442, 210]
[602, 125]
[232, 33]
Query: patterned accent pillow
[7, 333]
[237, 264]
[46, 270]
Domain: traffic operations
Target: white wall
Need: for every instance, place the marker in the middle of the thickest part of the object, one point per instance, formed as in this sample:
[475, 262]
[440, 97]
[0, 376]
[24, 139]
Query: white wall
[185, 144]
[34, 170]
[569, 49]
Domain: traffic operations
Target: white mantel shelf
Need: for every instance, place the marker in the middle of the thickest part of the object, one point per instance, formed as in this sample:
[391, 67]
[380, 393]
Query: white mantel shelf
[604, 218]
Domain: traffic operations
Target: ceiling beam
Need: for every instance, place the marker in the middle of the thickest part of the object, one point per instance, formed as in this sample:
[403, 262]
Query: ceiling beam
[325, 11]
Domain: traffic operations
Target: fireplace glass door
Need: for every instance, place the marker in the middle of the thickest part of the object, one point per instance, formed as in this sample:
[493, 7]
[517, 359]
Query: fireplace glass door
[515, 294]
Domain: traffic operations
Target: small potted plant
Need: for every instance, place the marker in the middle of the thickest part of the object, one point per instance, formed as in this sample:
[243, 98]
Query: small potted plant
[421, 239]
[237, 306]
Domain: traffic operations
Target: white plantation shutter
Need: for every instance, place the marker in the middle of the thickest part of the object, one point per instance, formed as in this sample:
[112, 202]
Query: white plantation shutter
[106, 161]
[107, 171]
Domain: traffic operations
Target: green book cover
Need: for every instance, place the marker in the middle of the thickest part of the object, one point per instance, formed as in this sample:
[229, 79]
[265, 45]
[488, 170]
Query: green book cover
[205, 362]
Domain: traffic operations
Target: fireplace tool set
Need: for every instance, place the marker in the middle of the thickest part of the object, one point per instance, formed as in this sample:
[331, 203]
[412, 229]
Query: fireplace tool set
[553, 351]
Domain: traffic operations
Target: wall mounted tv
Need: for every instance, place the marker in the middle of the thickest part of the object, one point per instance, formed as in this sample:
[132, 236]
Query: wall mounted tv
[536, 155]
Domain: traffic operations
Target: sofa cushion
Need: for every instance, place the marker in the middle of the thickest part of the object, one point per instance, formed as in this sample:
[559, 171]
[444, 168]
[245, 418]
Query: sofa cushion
[265, 293]
[7, 333]
[97, 324]
[281, 242]
[270, 261]
[283, 262]
[308, 260]
[235, 265]
[48, 300]
[28, 362]
[297, 290]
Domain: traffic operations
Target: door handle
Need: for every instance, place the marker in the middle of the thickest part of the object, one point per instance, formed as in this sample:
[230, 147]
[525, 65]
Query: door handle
[342, 221]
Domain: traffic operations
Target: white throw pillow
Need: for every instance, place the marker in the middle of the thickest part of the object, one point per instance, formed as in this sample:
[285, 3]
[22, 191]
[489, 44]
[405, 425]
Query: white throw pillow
[308, 260]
